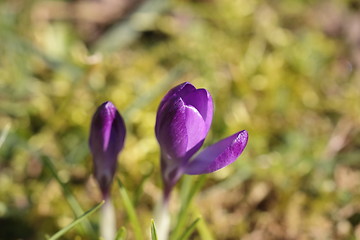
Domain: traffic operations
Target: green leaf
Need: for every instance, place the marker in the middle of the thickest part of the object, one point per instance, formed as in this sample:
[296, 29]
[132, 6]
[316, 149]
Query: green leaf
[189, 230]
[194, 188]
[204, 231]
[130, 210]
[4, 133]
[185, 189]
[153, 231]
[70, 198]
[121, 234]
[78, 220]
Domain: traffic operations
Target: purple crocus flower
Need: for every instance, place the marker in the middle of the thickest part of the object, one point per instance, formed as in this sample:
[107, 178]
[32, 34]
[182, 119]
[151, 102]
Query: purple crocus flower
[183, 121]
[107, 135]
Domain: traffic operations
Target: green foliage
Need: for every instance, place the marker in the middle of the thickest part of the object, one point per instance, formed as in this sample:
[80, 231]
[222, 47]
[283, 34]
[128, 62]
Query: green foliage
[286, 71]
[74, 204]
[189, 230]
[153, 231]
[189, 189]
[77, 221]
[121, 234]
[130, 210]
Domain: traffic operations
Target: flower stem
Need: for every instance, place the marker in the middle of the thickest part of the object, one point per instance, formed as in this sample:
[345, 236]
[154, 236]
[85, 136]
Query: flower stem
[162, 218]
[107, 220]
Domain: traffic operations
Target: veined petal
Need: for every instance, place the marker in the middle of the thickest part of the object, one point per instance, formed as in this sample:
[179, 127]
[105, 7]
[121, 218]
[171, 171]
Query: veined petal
[171, 129]
[178, 91]
[195, 128]
[218, 155]
[202, 101]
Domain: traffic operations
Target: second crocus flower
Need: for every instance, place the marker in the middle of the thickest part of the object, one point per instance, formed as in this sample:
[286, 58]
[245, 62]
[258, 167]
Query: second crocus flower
[182, 123]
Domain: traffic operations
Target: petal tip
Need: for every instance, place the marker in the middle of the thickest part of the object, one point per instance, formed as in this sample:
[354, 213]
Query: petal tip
[108, 104]
[219, 155]
[243, 136]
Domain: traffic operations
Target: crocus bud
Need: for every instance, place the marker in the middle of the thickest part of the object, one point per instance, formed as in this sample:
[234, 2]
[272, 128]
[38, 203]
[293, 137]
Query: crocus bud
[107, 135]
[183, 121]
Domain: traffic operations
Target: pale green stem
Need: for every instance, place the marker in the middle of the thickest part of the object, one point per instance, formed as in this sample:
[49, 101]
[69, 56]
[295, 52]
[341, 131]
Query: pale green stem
[107, 221]
[162, 219]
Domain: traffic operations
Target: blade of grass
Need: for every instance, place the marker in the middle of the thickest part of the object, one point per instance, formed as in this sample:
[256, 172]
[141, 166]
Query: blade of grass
[204, 231]
[153, 231]
[4, 133]
[189, 230]
[185, 206]
[73, 203]
[130, 210]
[121, 234]
[78, 220]
[186, 184]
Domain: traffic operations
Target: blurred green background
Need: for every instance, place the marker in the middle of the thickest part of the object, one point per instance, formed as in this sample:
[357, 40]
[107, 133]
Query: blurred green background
[287, 71]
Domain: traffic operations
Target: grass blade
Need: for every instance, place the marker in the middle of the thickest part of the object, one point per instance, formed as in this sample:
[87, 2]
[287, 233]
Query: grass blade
[186, 204]
[73, 203]
[189, 230]
[204, 231]
[186, 184]
[78, 220]
[121, 234]
[153, 231]
[4, 133]
[129, 208]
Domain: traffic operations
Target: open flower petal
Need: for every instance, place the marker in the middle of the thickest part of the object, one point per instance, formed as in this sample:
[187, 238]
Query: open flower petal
[218, 155]
[202, 101]
[195, 128]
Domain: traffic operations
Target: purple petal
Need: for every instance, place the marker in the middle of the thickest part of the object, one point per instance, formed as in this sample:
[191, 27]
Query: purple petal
[195, 128]
[202, 101]
[107, 131]
[170, 97]
[218, 155]
[107, 135]
[177, 91]
[171, 129]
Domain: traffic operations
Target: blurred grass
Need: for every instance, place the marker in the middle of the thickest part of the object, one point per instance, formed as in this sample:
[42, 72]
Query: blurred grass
[287, 71]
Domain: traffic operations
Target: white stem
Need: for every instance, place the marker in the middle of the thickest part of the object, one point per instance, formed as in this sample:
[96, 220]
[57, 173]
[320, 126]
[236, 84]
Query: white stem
[162, 220]
[107, 221]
